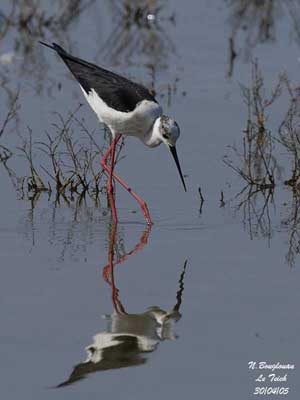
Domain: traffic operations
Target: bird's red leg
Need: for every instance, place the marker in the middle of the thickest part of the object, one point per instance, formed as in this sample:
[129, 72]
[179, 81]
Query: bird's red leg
[108, 169]
[112, 164]
[109, 186]
[141, 202]
[114, 292]
[108, 270]
[143, 241]
[105, 157]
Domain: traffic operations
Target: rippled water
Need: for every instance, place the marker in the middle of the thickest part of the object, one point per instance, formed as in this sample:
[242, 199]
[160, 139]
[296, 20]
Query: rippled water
[207, 289]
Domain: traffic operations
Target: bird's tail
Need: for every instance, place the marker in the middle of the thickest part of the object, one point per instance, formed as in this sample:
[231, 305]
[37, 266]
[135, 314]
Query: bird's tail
[68, 58]
[54, 46]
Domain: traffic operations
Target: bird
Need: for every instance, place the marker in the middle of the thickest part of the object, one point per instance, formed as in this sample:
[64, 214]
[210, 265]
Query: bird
[126, 108]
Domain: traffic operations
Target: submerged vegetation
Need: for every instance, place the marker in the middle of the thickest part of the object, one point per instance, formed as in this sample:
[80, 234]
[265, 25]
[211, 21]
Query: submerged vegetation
[65, 165]
[258, 166]
[259, 156]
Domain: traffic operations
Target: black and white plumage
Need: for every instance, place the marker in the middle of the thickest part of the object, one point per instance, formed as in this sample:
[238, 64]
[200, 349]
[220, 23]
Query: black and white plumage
[117, 92]
[126, 107]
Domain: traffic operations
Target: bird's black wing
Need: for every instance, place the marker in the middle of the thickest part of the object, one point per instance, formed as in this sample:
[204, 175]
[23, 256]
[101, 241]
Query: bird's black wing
[115, 90]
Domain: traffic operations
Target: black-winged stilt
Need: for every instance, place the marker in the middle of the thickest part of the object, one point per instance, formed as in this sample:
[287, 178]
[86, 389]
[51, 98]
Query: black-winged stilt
[127, 108]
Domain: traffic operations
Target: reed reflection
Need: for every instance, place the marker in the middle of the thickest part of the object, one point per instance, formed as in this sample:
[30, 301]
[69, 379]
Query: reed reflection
[259, 213]
[139, 29]
[140, 36]
[22, 23]
[255, 22]
[128, 338]
[267, 159]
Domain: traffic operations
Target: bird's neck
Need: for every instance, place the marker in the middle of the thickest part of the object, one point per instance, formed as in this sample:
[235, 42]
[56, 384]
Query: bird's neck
[152, 138]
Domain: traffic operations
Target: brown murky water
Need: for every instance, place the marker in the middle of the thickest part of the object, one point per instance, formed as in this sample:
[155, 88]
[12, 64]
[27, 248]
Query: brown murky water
[207, 289]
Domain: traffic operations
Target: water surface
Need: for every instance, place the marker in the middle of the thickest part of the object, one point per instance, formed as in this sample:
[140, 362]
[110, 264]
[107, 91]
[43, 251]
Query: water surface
[239, 294]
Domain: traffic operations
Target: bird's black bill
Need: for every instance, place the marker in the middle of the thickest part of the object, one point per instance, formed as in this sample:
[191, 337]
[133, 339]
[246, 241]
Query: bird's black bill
[175, 156]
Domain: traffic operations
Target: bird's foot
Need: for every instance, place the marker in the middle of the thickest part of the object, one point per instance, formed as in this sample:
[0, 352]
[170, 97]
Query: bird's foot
[146, 214]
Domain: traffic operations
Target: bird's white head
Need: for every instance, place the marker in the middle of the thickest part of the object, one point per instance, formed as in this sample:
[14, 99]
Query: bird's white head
[166, 130]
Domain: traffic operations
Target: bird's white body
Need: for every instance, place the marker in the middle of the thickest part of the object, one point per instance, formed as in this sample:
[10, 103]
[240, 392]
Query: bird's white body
[125, 341]
[139, 123]
[149, 329]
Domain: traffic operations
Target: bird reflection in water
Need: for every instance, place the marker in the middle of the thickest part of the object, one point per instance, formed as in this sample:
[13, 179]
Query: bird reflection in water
[128, 337]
